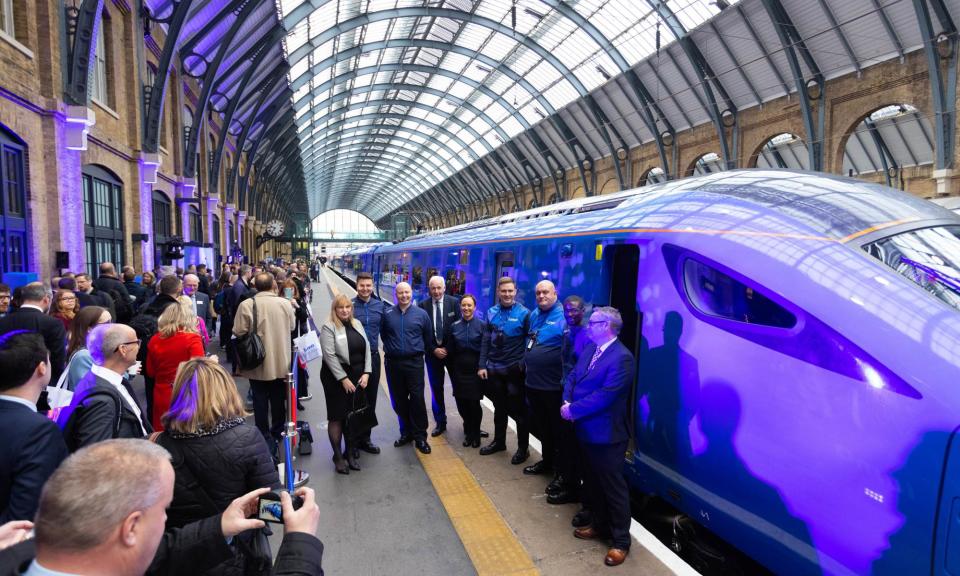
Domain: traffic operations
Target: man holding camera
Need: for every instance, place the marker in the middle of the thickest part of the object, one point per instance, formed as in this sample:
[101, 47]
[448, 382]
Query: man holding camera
[102, 512]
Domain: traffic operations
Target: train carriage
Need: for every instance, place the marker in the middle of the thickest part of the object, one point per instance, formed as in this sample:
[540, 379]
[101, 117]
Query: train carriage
[798, 340]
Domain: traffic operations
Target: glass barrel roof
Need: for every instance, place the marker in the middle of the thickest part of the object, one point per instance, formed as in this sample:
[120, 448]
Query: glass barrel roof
[392, 97]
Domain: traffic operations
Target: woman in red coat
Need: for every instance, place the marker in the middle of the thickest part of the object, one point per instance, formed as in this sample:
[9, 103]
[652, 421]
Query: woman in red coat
[177, 340]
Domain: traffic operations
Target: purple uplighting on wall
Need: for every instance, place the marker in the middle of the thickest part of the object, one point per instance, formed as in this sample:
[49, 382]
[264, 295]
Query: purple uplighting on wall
[146, 211]
[70, 189]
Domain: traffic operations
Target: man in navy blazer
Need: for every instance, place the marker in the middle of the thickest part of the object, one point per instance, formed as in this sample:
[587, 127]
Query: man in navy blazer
[33, 446]
[596, 397]
[449, 308]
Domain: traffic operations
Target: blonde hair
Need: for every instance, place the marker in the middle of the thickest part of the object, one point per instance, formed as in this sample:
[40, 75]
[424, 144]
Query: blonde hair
[177, 317]
[339, 301]
[204, 394]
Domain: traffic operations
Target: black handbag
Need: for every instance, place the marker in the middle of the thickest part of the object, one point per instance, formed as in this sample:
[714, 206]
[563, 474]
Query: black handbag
[249, 348]
[361, 418]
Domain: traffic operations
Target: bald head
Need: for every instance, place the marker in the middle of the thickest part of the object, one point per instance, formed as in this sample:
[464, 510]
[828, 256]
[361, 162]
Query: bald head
[403, 294]
[546, 294]
[191, 282]
[113, 345]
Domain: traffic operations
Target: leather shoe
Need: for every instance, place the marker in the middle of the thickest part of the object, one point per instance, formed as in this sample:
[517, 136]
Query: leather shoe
[438, 431]
[563, 497]
[422, 446]
[476, 442]
[467, 442]
[586, 533]
[402, 441]
[353, 463]
[581, 518]
[493, 448]
[370, 448]
[520, 457]
[538, 468]
[615, 556]
[484, 434]
[555, 486]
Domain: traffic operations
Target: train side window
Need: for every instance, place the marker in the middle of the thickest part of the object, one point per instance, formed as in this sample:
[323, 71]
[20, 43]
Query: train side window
[717, 294]
[456, 282]
[417, 276]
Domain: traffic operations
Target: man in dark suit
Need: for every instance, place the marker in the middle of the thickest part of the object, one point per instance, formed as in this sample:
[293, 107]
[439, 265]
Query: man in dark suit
[443, 311]
[240, 291]
[199, 299]
[596, 398]
[32, 316]
[104, 405]
[33, 446]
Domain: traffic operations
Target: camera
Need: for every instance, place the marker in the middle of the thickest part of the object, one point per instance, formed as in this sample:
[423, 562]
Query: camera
[269, 508]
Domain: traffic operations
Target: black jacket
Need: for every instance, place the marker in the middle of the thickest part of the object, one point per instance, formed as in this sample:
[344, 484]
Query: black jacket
[195, 548]
[450, 313]
[138, 291]
[224, 464]
[32, 449]
[93, 415]
[156, 307]
[108, 283]
[54, 336]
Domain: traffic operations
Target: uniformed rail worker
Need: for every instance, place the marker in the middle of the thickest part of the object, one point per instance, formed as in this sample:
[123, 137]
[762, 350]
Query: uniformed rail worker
[501, 364]
[543, 360]
[463, 339]
[407, 336]
[369, 311]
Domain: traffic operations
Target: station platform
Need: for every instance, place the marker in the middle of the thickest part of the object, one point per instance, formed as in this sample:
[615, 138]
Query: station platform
[448, 512]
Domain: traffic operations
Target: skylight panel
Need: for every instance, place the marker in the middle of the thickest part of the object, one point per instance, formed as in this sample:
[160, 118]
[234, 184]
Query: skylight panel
[499, 46]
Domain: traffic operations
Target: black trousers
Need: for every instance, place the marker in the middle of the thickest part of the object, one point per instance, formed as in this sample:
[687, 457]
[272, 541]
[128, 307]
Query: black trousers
[471, 413]
[569, 466]
[545, 415]
[605, 489]
[506, 391]
[270, 409]
[405, 379]
[373, 388]
[437, 374]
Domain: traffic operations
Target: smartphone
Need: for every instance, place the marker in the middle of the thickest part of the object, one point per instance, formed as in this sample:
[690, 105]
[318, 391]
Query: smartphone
[270, 510]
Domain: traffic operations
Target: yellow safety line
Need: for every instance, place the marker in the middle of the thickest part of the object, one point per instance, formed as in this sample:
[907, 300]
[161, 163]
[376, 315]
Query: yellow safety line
[490, 543]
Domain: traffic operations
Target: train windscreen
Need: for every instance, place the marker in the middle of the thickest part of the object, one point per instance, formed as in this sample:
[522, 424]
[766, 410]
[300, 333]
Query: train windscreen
[929, 257]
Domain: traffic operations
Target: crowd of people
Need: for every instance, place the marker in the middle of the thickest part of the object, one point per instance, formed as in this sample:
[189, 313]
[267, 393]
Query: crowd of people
[565, 379]
[559, 375]
[107, 484]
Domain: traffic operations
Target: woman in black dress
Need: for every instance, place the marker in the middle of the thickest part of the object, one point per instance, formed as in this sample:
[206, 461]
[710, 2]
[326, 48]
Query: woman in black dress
[463, 359]
[346, 366]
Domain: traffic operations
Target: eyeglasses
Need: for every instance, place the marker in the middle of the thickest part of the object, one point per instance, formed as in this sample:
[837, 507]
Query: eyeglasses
[594, 322]
[62, 298]
[131, 343]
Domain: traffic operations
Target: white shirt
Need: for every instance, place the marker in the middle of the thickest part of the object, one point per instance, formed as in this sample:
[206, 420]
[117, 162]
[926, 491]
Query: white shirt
[117, 381]
[18, 400]
[36, 569]
[32, 306]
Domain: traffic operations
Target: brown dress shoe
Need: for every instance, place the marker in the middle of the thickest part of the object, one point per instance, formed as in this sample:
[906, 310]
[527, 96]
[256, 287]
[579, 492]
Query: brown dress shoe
[615, 557]
[586, 533]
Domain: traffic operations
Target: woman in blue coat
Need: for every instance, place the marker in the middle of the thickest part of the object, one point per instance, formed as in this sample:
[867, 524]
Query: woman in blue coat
[463, 361]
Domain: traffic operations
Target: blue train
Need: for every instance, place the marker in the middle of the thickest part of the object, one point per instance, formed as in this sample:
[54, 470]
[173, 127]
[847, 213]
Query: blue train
[798, 336]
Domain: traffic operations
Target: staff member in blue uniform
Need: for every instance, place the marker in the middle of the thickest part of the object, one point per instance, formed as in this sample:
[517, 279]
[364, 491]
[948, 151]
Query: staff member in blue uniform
[369, 311]
[407, 336]
[596, 396]
[443, 311]
[543, 360]
[463, 339]
[501, 364]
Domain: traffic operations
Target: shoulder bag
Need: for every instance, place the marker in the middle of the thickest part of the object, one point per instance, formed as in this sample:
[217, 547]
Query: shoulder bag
[249, 347]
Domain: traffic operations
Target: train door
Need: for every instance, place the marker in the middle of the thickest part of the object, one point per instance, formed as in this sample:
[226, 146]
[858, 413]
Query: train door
[621, 264]
[505, 266]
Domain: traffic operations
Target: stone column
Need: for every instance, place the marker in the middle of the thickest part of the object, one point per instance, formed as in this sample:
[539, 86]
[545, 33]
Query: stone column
[185, 190]
[241, 218]
[213, 203]
[149, 166]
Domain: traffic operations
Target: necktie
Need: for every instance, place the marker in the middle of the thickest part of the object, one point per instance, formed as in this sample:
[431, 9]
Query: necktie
[596, 356]
[437, 321]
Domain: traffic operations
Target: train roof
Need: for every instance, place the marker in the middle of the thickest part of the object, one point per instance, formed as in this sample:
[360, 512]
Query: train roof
[764, 201]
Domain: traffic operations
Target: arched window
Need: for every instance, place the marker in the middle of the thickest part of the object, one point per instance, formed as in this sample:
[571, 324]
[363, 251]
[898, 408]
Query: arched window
[100, 83]
[102, 217]
[13, 204]
[162, 227]
[196, 229]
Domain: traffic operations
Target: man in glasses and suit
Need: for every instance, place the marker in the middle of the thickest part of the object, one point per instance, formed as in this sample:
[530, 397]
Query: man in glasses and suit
[596, 397]
[103, 405]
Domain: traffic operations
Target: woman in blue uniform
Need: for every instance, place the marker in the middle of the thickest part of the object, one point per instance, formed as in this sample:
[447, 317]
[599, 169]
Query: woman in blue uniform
[463, 361]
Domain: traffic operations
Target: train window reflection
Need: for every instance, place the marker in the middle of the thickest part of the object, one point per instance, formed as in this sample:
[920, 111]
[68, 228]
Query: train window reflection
[930, 258]
[714, 293]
